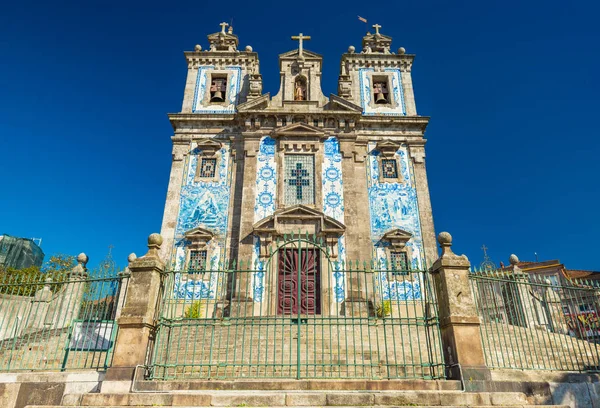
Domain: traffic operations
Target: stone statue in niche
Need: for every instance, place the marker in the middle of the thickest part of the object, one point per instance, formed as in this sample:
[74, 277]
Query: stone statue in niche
[300, 89]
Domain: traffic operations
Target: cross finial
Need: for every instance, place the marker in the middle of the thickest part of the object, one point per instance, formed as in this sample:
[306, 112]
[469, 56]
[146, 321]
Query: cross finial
[484, 249]
[300, 37]
[376, 27]
[223, 25]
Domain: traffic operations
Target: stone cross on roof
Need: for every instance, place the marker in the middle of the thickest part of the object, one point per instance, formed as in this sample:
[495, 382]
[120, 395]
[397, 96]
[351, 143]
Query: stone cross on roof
[223, 25]
[376, 27]
[300, 39]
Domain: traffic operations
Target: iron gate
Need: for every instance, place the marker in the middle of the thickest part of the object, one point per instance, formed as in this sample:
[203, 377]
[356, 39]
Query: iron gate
[297, 314]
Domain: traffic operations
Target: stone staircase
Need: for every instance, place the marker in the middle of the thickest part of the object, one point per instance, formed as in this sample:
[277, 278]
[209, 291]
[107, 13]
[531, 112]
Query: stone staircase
[332, 349]
[303, 393]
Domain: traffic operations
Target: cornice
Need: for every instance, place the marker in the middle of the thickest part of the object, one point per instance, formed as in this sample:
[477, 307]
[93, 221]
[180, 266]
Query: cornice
[198, 58]
[355, 61]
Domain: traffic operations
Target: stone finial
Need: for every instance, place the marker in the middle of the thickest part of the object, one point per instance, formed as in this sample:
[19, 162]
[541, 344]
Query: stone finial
[513, 259]
[155, 240]
[401, 50]
[132, 257]
[351, 49]
[445, 241]
[198, 48]
[248, 48]
[82, 259]
[230, 30]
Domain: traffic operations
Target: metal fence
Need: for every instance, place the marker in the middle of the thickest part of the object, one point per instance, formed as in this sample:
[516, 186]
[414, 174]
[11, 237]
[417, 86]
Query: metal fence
[57, 321]
[529, 322]
[297, 315]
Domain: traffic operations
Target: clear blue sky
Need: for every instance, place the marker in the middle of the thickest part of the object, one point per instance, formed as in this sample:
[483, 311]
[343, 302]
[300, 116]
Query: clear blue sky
[511, 87]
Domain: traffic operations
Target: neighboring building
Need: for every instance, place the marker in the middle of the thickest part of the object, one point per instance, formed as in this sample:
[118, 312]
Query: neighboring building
[575, 293]
[249, 167]
[19, 253]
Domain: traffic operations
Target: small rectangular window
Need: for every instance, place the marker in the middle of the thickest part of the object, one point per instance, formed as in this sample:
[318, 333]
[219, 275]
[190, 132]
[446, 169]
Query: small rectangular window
[197, 262]
[389, 168]
[208, 167]
[399, 263]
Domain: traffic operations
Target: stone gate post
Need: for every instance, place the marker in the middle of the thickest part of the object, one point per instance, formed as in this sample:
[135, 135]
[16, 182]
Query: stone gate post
[137, 320]
[459, 320]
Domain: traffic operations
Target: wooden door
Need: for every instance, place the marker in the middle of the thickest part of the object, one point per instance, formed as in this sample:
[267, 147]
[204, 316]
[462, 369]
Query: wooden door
[299, 292]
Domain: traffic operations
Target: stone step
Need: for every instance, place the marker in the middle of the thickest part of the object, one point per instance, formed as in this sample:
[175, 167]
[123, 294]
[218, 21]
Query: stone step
[297, 385]
[321, 406]
[299, 398]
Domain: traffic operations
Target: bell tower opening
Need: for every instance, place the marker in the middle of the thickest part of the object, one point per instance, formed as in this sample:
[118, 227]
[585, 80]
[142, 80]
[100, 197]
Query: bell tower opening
[381, 93]
[218, 88]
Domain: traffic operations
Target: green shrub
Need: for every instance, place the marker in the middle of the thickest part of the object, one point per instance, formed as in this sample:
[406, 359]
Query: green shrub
[383, 309]
[195, 310]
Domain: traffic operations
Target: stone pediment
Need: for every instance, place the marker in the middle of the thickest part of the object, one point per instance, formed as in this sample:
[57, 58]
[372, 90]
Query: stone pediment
[387, 147]
[298, 219]
[199, 237]
[208, 146]
[298, 129]
[293, 54]
[259, 103]
[339, 103]
[397, 238]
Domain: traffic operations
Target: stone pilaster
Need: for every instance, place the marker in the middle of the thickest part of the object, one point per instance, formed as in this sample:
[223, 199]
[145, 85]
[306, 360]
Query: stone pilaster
[357, 220]
[171, 212]
[137, 320]
[242, 242]
[424, 202]
[459, 320]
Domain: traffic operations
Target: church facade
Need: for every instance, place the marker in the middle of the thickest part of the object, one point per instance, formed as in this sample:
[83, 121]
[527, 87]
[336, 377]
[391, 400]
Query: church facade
[249, 169]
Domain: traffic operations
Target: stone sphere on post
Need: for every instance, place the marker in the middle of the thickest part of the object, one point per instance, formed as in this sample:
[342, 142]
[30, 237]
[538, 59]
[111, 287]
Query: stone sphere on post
[198, 48]
[445, 241]
[248, 48]
[513, 259]
[82, 259]
[351, 49]
[401, 50]
[132, 257]
[155, 240]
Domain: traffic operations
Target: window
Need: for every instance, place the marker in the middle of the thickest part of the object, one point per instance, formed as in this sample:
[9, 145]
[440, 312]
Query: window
[299, 181]
[218, 89]
[389, 168]
[399, 263]
[197, 262]
[381, 93]
[586, 308]
[208, 167]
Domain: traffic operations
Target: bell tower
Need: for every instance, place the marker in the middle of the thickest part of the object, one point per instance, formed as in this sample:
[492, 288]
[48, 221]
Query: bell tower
[300, 77]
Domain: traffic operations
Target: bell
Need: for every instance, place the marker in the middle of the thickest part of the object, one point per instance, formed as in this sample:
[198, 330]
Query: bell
[217, 97]
[380, 98]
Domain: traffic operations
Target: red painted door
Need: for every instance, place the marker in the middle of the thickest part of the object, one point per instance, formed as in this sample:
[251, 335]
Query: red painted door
[299, 292]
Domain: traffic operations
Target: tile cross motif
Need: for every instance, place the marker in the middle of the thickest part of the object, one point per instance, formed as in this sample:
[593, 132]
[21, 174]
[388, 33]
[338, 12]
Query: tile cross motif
[298, 179]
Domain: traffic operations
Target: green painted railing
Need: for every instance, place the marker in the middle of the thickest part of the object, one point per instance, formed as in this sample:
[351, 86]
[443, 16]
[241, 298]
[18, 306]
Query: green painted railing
[532, 323]
[57, 322]
[298, 314]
